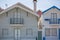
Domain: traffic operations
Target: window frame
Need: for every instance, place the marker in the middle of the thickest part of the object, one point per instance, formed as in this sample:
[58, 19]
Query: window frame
[48, 33]
[30, 30]
[5, 32]
[53, 19]
[51, 32]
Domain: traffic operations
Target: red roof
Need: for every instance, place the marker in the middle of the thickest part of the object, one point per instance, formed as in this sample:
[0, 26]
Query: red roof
[39, 12]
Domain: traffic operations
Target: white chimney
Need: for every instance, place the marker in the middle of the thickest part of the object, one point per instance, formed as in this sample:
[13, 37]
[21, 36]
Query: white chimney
[35, 1]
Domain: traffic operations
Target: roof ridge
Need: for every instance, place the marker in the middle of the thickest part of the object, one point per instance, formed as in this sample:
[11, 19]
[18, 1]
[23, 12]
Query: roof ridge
[51, 8]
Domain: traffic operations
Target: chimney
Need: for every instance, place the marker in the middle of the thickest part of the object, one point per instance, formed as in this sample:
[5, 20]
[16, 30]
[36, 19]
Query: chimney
[39, 13]
[35, 1]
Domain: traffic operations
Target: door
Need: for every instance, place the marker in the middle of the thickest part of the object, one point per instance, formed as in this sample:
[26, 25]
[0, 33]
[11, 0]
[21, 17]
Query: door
[59, 34]
[51, 34]
[17, 34]
[39, 35]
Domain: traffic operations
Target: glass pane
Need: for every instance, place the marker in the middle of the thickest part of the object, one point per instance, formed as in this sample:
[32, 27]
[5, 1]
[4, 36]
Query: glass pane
[54, 32]
[5, 32]
[29, 32]
[18, 32]
[47, 32]
[53, 18]
[16, 20]
[15, 33]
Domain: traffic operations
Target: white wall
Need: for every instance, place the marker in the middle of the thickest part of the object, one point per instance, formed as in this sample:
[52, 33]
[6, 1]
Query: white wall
[47, 15]
[30, 21]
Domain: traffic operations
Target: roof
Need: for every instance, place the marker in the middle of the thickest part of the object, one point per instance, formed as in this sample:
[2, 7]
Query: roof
[19, 5]
[1, 9]
[51, 8]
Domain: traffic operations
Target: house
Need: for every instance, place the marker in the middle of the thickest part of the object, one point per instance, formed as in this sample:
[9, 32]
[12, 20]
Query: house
[18, 22]
[50, 20]
[1, 9]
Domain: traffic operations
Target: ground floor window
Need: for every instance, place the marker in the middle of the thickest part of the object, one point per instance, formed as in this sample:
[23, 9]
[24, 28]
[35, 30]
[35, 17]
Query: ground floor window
[47, 32]
[51, 32]
[5, 32]
[29, 32]
[17, 34]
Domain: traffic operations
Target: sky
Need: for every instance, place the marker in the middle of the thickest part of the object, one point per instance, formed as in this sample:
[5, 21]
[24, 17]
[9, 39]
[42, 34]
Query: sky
[41, 4]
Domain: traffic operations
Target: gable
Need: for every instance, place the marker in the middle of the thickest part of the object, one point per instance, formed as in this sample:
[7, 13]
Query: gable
[47, 13]
[19, 5]
[53, 7]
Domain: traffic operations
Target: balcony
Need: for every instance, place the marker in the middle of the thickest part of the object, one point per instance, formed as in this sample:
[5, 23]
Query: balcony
[54, 23]
[16, 21]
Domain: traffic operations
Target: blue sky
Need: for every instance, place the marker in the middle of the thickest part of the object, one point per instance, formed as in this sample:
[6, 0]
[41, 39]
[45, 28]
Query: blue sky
[41, 4]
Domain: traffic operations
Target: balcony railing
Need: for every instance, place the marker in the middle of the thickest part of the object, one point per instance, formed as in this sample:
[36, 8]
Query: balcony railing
[56, 21]
[53, 22]
[16, 21]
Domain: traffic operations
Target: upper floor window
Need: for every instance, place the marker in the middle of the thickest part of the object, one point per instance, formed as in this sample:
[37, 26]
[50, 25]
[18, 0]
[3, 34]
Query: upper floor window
[16, 21]
[53, 19]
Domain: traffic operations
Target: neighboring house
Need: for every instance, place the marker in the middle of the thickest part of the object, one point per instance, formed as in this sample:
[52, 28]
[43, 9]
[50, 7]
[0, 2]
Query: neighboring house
[50, 20]
[18, 22]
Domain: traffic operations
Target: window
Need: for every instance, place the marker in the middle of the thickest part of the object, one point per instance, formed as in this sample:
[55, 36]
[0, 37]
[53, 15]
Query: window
[54, 32]
[53, 19]
[51, 32]
[47, 32]
[17, 33]
[29, 32]
[6, 13]
[16, 21]
[27, 13]
[5, 32]
[58, 21]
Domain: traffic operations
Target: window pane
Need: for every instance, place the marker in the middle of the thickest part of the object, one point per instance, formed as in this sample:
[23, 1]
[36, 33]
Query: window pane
[53, 18]
[29, 32]
[51, 32]
[5, 32]
[54, 32]
[17, 32]
[47, 32]
[16, 21]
